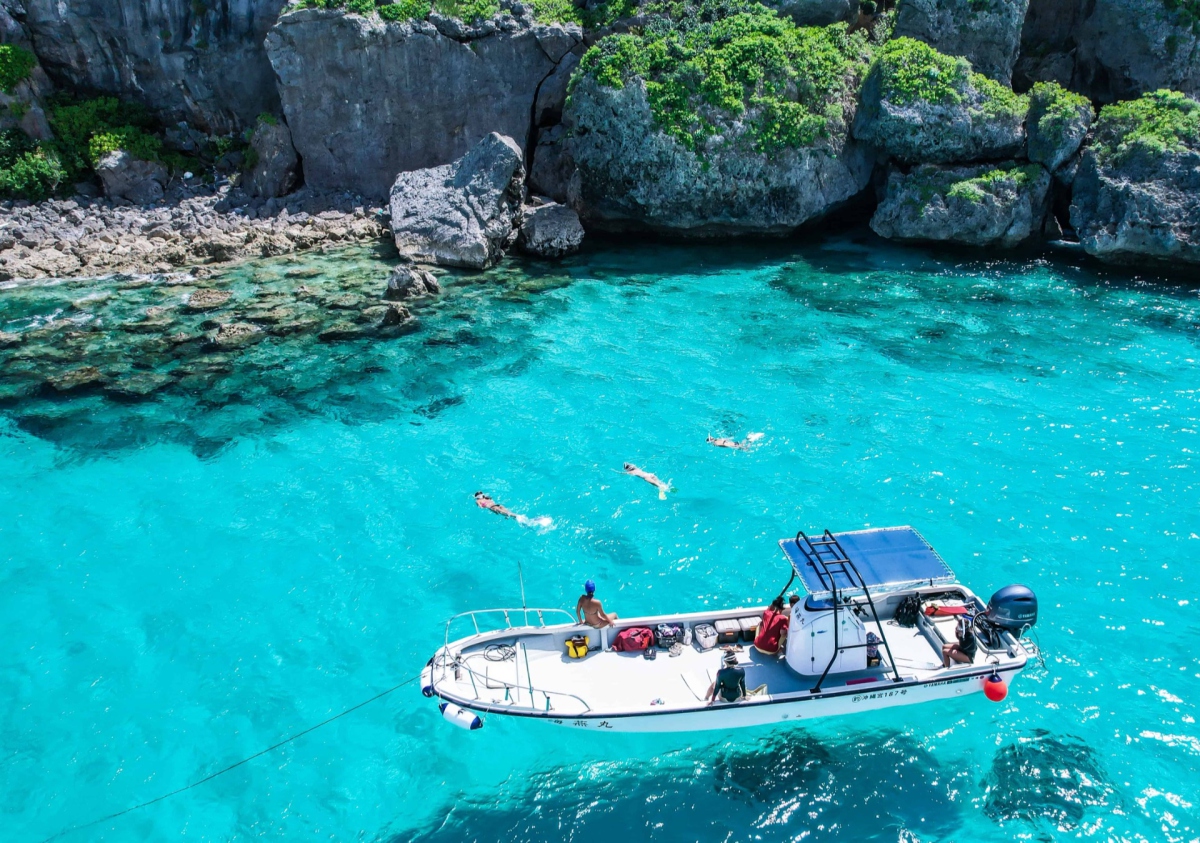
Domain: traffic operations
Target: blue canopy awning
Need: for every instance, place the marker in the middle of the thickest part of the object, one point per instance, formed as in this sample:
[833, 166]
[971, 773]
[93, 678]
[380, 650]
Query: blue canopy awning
[886, 557]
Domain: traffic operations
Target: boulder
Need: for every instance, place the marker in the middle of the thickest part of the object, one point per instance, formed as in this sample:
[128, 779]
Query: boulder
[1137, 191]
[126, 177]
[815, 12]
[976, 206]
[366, 99]
[1058, 122]
[191, 60]
[410, 282]
[987, 33]
[550, 230]
[276, 167]
[921, 106]
[629, 174]
[461, 214]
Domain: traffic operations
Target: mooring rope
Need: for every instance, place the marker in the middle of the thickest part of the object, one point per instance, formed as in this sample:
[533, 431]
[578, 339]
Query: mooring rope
[233, 766]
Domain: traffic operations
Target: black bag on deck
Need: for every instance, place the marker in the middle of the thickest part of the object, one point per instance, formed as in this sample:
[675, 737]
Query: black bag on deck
[908, 610]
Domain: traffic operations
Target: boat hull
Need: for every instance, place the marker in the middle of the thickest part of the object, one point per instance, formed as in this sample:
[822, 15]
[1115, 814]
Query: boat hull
[765, 712]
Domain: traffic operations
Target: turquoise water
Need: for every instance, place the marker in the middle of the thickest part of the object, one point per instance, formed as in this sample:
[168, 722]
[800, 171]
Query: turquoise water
[188, 579]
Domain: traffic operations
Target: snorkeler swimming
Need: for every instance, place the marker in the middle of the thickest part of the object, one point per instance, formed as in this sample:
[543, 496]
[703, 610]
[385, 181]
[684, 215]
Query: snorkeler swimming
[744, 445]
[652, 479]
[485, 501]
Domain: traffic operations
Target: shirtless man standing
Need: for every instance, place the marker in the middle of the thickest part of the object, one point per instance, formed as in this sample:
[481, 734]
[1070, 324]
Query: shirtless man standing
[486, 502]
[589, 611]
[652, 479]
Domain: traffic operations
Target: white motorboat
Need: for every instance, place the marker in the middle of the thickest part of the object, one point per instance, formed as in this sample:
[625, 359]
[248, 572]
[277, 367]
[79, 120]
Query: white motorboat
[880, 605]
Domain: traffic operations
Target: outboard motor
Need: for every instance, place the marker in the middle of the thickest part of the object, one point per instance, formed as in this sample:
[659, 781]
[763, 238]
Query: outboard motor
[1013, 608]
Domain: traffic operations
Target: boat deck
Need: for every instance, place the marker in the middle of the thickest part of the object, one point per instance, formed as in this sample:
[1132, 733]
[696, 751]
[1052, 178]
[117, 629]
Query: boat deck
[529, 671]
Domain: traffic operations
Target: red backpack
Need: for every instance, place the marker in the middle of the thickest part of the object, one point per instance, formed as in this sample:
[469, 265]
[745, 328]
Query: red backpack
[633, 639]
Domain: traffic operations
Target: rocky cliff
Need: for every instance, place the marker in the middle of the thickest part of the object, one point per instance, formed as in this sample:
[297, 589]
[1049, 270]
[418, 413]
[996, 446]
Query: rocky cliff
[1111, 50]
[987, 33]
[195, 60]
[1137, 192]
[367, 98]
[921, 106]
[976, 206]
[649, 147]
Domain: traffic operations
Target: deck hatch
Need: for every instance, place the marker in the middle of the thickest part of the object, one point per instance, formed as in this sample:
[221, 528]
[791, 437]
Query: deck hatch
[886, 558]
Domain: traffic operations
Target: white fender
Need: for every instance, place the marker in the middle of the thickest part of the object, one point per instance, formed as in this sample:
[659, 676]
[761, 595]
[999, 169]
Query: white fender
[460, 717]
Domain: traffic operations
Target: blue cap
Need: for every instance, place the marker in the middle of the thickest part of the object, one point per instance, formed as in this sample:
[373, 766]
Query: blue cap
[589, 587]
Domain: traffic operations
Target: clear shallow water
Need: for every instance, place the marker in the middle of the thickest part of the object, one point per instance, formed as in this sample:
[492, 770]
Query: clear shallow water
[186, 580]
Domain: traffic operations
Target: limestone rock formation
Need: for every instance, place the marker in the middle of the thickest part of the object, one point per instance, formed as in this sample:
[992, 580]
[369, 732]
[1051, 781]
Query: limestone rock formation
[461, 214]
[410, 282]
[187, 59]
[366, 99]
[1111, 50]
[552, 167]
[1057, 124]
[628, 174]
[815, 12]
[987, 33]
[977, 206]
[132, 179]
[967, 117]
[1137, 192]
[550, 230]
[276, 169]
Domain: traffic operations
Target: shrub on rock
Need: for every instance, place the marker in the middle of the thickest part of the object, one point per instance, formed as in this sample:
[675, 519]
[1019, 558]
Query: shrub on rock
[978, 206]
[1137, 191]
[715, 117]
[1057, 124]
[921, 106]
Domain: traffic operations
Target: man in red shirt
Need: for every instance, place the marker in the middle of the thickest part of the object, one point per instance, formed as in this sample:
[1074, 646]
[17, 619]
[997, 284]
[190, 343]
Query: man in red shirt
[772, 631]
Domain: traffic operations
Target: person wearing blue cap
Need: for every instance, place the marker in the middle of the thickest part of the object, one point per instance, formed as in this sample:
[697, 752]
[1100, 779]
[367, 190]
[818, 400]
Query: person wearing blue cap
[589, 611]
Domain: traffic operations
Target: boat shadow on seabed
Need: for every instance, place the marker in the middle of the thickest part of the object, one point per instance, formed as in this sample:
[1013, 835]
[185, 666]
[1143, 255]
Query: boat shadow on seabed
[792, 780]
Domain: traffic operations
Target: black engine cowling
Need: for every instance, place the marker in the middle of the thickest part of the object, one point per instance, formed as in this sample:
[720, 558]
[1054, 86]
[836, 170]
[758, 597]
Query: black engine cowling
[1013, 608]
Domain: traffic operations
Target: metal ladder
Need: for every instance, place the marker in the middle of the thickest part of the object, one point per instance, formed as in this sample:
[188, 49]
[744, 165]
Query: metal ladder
[830, 560]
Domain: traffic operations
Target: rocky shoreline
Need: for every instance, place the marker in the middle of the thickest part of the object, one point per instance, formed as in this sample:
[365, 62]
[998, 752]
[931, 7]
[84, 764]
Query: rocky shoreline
[192, 226]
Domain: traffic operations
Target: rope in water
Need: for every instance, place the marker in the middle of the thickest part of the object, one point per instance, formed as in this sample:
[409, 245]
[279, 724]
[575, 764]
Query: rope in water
[233, 766]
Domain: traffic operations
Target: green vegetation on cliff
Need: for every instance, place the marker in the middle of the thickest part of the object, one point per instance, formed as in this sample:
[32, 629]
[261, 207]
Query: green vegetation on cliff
[708, 62]
[977, 188]
[28, 169]
[912, 72]
[1053, 110]
[1147, 127]
[85, 130]
[468, 11]
[15, 65]
[1187, 10]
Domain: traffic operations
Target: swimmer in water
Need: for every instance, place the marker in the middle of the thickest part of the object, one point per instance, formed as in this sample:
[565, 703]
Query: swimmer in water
[486, 502]
[652, 479]
[744, 445]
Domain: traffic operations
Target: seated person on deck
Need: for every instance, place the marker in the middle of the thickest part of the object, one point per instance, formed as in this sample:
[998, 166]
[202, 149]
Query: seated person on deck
[730, 683]
[589, 610]
[772, 631]
[962, 650]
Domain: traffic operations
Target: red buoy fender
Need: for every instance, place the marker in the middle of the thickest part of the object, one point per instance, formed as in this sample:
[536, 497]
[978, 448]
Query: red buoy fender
[995, 688]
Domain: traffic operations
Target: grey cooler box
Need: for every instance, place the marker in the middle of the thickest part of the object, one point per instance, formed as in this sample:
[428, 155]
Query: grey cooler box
[728, 632]
[749, 628]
